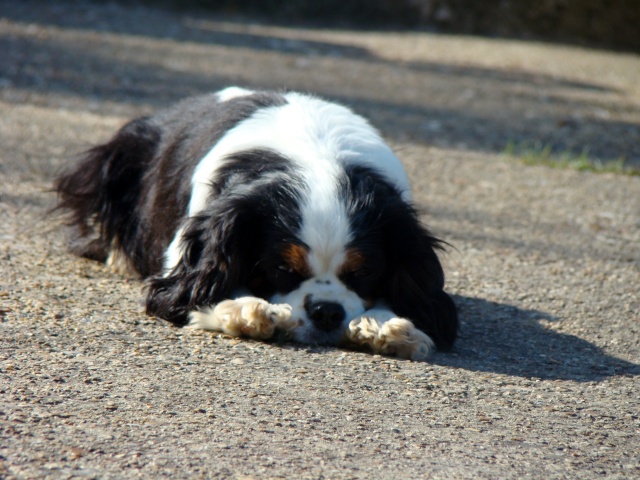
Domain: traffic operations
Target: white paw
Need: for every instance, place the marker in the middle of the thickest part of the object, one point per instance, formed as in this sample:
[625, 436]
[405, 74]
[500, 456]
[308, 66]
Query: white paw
[363, 331]
[397, 336]
[261, 318]
[246, 316]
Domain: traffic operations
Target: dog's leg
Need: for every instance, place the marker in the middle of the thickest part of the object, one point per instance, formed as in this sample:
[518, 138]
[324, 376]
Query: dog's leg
[118, 262]
[382, 331]
[245, 316]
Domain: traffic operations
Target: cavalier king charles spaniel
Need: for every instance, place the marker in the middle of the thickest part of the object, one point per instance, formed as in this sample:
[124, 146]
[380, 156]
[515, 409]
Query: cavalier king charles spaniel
[253, 212]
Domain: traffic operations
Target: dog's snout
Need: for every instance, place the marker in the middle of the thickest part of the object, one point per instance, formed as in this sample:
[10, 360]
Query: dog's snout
[326, 316]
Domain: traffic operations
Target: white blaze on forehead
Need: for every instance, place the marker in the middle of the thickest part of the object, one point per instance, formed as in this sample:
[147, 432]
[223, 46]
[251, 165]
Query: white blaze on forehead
[325, 226]
[326, 231]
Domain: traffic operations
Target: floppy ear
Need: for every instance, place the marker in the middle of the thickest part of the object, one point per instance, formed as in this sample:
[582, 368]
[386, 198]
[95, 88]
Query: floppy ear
[415, 277]
[219, 248]
[102, 191]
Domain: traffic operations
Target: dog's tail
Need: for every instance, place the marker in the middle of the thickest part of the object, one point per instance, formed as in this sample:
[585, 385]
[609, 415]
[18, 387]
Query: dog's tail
[101, 192]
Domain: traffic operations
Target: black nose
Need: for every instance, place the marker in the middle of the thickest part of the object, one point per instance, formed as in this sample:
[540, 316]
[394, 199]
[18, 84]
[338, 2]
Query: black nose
[325, 315]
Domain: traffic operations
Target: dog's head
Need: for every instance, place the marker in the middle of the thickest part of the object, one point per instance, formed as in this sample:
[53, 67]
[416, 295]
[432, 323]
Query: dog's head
[329, 253]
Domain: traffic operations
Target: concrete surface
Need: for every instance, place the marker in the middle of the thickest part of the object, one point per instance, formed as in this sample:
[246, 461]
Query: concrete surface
[544, 382]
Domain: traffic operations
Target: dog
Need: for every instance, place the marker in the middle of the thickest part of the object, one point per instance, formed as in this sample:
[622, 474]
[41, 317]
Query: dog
[256, 212]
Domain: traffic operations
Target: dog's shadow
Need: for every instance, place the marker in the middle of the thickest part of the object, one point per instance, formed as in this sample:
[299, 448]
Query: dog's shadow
[501, 338]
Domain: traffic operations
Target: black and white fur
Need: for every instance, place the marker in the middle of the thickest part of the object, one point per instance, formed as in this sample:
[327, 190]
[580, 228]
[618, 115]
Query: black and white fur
[250, 212]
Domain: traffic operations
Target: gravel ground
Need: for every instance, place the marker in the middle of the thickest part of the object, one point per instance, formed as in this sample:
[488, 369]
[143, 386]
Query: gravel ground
[544, 265]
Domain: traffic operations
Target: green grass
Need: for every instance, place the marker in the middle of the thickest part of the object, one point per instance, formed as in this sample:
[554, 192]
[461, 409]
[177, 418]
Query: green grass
[539, 154]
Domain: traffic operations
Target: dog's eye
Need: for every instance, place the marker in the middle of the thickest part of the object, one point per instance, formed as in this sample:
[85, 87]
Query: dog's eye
[285, 268]
[362, 273]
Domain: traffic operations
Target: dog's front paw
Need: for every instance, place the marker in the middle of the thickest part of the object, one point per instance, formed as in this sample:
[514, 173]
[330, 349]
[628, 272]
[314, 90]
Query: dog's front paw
[259, 319]
[400, 337]
[363, 331]
[255, 318]
[397, 336]
[246, 316]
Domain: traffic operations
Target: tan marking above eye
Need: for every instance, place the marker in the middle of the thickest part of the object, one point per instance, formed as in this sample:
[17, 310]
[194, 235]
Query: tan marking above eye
[354, 261]
[295, 256]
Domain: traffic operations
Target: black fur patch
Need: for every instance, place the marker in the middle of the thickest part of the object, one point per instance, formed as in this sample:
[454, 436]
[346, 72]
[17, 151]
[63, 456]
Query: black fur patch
[224, 244]
[133, 191]
[389, 228]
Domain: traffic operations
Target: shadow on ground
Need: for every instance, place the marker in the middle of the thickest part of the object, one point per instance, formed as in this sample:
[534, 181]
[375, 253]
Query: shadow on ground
[501, 338]
[504, 106]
